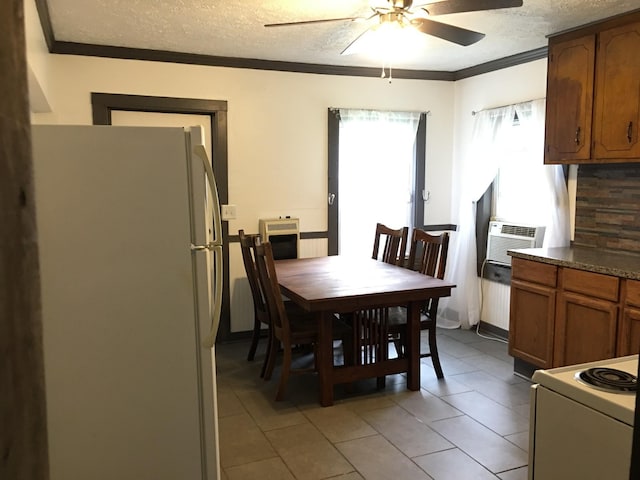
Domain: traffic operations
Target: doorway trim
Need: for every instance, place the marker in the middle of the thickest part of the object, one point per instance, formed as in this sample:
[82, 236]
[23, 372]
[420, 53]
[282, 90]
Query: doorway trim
[103, 104]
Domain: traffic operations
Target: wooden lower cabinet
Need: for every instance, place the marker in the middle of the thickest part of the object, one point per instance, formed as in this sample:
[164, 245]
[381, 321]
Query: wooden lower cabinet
[629, 332]
[585, 329]
[629, 326]
[531, 322]
[563, 316]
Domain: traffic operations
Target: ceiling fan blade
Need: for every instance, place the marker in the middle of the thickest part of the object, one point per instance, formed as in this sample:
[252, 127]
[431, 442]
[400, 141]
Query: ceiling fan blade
[309, 22]
[451, 33]
[353, 46]
[459, 6]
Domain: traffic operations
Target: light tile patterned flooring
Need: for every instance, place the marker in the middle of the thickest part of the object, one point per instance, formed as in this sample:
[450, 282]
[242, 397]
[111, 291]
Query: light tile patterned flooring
[473, 424]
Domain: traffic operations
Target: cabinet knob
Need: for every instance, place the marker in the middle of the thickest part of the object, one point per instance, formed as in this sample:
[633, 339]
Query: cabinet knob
[577, 140]
[629, 131]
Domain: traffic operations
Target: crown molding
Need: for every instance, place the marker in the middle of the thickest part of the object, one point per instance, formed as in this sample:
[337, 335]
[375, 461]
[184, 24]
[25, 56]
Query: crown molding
[501, 63]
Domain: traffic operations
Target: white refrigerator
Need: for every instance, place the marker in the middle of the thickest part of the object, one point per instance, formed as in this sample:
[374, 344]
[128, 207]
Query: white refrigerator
[130, 249]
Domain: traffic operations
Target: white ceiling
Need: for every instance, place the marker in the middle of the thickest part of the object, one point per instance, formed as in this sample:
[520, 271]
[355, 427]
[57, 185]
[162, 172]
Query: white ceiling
[235, 28]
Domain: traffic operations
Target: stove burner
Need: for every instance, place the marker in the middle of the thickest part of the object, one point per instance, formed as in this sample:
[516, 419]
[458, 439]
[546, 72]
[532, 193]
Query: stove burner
[609, 379]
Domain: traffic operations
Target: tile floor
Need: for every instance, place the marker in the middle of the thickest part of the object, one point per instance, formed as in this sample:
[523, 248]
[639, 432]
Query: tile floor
[473, 424]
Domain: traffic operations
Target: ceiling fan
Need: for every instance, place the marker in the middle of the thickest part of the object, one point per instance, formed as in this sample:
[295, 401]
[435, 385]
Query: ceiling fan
[403, 13]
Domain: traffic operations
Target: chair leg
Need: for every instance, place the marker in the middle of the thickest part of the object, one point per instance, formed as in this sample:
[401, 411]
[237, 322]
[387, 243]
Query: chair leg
[347, 350]
[284, 374]
[254, 339]
[270, 342]
[433, 349]
[383, 353]
[271, 359]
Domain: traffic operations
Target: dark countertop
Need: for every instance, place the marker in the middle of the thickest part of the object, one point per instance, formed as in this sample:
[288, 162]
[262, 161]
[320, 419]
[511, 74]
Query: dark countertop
[619, 264]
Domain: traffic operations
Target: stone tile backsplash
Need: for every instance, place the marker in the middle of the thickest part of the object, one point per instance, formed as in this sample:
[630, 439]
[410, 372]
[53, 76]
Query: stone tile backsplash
[608, 207]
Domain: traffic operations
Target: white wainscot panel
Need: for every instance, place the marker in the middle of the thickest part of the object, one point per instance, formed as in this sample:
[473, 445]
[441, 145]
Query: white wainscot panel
[241, 301]
[495, 304]
[314, 247]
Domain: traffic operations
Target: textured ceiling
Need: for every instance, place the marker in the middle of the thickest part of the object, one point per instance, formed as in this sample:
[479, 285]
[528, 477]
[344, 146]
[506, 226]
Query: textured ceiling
[235, 28]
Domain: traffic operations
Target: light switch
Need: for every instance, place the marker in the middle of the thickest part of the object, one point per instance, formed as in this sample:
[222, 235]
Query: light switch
[228, 212]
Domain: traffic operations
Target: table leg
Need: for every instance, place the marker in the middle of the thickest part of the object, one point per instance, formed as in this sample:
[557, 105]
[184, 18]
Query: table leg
[413, 345]
[324, 362]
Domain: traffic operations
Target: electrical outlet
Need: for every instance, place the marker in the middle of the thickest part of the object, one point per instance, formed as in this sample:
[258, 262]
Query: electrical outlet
[228, 212]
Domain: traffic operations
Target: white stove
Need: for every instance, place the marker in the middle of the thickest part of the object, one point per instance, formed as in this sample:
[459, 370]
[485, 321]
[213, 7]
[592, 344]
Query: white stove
[578, 430]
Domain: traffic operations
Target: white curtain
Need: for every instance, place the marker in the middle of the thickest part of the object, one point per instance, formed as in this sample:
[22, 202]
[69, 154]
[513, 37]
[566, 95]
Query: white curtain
[376, 174]
[489, 149]
[554, 187]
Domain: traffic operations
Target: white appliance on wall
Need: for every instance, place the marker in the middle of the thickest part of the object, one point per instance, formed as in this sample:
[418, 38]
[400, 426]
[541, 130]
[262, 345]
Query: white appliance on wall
[130, 247]
[284, 235]
[581, 421]
[504, 236]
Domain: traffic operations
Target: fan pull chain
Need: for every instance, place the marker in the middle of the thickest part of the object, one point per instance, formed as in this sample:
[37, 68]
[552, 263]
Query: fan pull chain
[384, 75]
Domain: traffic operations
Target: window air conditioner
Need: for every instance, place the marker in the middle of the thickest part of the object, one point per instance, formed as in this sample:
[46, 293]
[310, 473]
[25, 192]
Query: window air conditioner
[505, 236]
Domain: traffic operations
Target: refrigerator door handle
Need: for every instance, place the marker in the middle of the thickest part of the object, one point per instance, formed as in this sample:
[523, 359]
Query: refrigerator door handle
[215, 307]
[201, 153]
[209, 246]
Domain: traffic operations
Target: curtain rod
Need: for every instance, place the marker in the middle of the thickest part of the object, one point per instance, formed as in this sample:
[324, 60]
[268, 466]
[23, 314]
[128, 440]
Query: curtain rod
[337, 109]
[473, 112]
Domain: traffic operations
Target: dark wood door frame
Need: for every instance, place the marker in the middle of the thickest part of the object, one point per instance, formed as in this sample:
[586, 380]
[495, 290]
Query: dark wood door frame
[104, 103]
[23, 422]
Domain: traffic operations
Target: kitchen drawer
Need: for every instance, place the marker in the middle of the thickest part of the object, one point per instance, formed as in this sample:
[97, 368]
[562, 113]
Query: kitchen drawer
[633, 293]
[592, 284]
[535, 272]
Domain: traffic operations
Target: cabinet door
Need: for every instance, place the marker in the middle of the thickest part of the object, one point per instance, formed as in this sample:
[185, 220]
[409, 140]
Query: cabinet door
[585, 329]
[569, 100]
[629, 333]
[617, 97]
[531, 322]
[629, 323]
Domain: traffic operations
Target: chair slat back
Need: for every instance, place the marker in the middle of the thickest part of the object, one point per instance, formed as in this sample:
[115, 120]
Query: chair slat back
[394, 244]
[271, 289]
[248, 244]
[428, 255]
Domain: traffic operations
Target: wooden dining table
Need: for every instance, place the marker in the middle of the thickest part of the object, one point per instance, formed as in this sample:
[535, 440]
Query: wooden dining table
[343, 285]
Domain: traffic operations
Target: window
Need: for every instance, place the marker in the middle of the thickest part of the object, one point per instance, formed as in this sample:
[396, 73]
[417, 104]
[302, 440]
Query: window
[524, 190]
[520, 189]
[376, 166]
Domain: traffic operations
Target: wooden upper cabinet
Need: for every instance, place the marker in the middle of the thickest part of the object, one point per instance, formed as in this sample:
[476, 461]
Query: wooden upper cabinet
[617, 100]
[570, 100]
[593, 93]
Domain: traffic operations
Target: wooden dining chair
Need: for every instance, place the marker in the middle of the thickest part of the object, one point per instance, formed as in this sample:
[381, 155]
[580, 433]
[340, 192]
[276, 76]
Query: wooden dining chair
[393, 243]
[427, 255]
[290, 329]
[370, 326]
[248, 243]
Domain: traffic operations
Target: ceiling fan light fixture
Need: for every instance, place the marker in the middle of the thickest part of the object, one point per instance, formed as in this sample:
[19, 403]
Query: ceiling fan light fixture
[387, 41]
